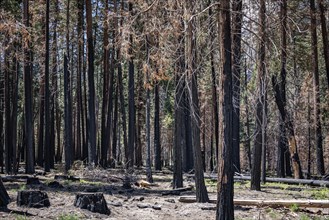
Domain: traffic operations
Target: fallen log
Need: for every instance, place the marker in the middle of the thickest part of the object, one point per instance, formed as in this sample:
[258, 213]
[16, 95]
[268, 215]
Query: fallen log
[309, 182]
[267, 203]
[290, 181]
[175, 192]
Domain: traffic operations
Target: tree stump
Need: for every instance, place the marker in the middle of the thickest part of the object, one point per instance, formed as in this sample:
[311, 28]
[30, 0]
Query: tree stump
[94, 202]
[32, 181]
[32, 199]
[4, 197]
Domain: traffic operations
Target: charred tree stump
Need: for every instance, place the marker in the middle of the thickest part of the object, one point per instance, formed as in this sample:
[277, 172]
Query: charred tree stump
[32, 199]
[94, 202]
[4, 197]
[32, 181]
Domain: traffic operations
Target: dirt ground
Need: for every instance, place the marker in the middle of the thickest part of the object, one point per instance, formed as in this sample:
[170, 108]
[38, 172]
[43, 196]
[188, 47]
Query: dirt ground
[124, 203]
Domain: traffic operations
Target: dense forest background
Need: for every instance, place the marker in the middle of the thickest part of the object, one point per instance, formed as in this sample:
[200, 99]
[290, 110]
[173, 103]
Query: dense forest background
[143, 83]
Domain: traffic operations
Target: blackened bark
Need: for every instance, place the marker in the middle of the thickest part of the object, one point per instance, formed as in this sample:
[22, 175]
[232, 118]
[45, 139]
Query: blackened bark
[258, 143]
[40, 158]
[148, 116]
[157, 132]
[8, 129]
[192, 87]
[55, 118]
[236, 69]
[67, 99]
[29, 167]
[91, 88]
[79, 116]
[14, 112]
[214, 85]
[316, 92]
[179, 132]
[225, 206]
[105, 137]
[247, 141]
[188, 160]
[115, 129]
[47, 148]
[290, 133]
[131, 103]
[1, 117]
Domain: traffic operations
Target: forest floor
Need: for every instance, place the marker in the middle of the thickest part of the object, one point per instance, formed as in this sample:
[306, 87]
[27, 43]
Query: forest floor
[124, 204]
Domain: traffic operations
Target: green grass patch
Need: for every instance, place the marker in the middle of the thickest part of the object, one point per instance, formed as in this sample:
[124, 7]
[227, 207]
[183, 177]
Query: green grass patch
[294, 208]
[320, 193]
[20, 217]
[68, 217]
[90, 182]
[211, 182]
[282, 186]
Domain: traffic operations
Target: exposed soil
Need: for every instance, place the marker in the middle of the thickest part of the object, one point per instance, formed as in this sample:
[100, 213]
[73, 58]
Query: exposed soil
[144, 203]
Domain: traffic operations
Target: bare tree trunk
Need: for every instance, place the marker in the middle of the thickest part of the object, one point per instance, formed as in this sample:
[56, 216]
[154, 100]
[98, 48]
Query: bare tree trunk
[1, 117]
[247, 141]
[236, 69]
[28, 98]
[8, 128]
[67, 98]
[157, 128]
[40, 158]
[91, 88]
[316, 92]
[47, 148]
[179, 132]
[192, 86]
[105, 137]
[148, 115]
[259, 141]
[14, 112]
[214, 83]
[79, 116]
[225, 206]
[324, 36]
[131, 103]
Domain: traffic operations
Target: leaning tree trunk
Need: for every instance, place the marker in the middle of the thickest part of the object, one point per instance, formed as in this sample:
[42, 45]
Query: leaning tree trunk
[225, 206]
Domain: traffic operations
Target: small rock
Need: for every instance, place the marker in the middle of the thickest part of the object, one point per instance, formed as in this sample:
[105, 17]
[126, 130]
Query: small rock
[138, 199]
[143, 206]
[170, 200]
[156, 207]
[116, 204]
